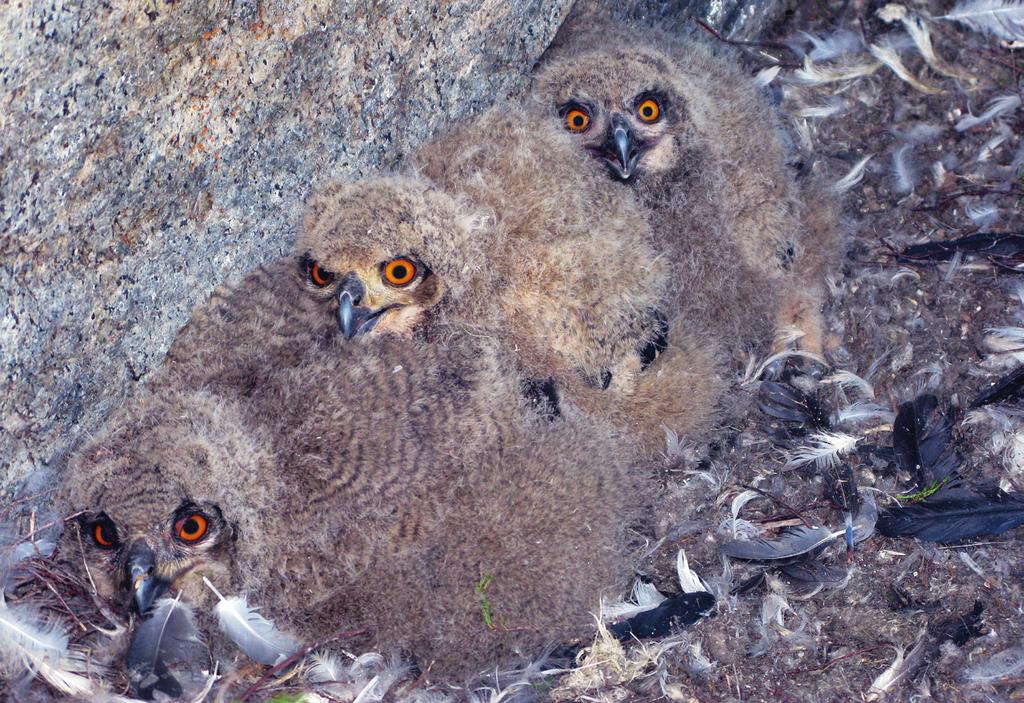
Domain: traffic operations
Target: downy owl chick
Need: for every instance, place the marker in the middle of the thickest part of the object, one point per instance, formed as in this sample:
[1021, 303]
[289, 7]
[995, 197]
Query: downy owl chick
[543, 259]
[684, 128]
[372, 488]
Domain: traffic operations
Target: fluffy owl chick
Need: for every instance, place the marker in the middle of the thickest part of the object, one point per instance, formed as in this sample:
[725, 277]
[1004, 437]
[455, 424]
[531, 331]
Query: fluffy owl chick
[387, 490]
[686, 130]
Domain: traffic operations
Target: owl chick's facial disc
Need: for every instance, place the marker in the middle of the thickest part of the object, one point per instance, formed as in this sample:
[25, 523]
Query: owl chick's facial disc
[614, 109]
[389, 295]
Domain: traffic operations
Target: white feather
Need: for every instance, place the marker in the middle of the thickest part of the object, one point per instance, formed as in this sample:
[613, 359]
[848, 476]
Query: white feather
[644, 597]
[938, 174]
[1000, 18]
[251, 632]
[921, 133]
[886, 53]
[828, 109]
[1003, 133]
[29, 644]
[851, 381]
[765, 76]
[1002, 665]
[737, 505]
[853, 177]
[826, 48]
[996, 107]
[861, 412]
[982, 214]
[824, 450]
[816, 74]
[923, 41]
[689, 581]
[902, 169]
[900, 669]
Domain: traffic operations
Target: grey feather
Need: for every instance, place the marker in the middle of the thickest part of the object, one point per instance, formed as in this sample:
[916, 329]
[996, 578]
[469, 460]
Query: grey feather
[789, 543]
[251, 632]
[1000, 18]
[166, 638]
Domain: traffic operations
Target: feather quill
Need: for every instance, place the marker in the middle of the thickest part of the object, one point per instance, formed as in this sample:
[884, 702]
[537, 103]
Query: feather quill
[998, 106]
[954, 518]
[169, 636]
[999, 18]
[250, 631]
[31, 644]
[787, 544]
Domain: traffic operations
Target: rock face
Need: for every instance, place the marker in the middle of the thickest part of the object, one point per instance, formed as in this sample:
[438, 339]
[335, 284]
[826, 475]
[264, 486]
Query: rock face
[153, 149]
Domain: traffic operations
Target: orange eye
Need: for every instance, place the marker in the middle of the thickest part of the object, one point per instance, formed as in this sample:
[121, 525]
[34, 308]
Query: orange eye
[104, 534]
[576, 120]
[649, 110]
[399, 272]
[191, 528]
[320, 277]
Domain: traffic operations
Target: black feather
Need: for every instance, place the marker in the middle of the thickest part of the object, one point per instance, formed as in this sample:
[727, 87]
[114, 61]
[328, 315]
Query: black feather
[649, 352]
[1009, 387]
[841, 487]
[790, 542]
[959, 630]
[672, 614]
[542, 395]
[160, 645]
[791, 404]
[951, 519]
[814, 572]
[1005, 247]
[921, 442]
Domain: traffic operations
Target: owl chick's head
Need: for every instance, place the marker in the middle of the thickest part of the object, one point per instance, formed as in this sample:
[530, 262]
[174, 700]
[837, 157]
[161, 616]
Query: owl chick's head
[385, 251]
[157, 499]
[621, 105]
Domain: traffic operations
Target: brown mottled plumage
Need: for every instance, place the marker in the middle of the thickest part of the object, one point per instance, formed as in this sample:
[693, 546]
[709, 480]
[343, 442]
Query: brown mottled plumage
[368, 486]
[532, 251]
[685, 127]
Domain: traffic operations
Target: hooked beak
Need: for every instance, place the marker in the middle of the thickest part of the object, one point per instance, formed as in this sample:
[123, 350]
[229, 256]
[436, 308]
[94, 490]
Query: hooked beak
[353, 319]
[621, 151]
[140, 574]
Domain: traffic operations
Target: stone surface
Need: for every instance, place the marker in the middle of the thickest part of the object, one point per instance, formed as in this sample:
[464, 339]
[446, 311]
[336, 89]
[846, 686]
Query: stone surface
[152, 149]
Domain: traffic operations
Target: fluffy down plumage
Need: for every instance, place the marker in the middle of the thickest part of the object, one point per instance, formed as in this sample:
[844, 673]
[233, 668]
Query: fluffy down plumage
[374, 486]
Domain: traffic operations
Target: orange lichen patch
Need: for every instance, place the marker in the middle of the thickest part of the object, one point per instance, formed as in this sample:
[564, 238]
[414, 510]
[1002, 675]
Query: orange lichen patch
[261, 30]
[207, 36]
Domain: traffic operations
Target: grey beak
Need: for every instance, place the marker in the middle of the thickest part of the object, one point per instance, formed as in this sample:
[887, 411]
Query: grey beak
[140, 574]
[621, 151]
[354, 319]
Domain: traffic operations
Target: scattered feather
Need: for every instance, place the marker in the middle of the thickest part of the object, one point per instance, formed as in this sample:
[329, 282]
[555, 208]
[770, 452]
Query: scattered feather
[902, 169]
[765, 76]
[166, 638]
[970, 563]
[645, 596]
[865, 519]
[30, 644]
[923, 41]
[998, 106]
[921, 133]
[803, 133]
[902, 668]
[1006, 664]
[954, 518]
[828, 109]
[789, 543]
[853, 176]
[784, 402]
[1008, 388]
[833, 46]
[886, 53]
[982, 214]
[1003, 246]
[1003, 19]
[689, 581]
[848, 380]
[737, 505]
[824, 450]
[251, 632]
[673, 614]
[961, 629]
[921, 437]
[938, 174]
[864, 412]
[953, 267]
[1003, 133]
[812, 73]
